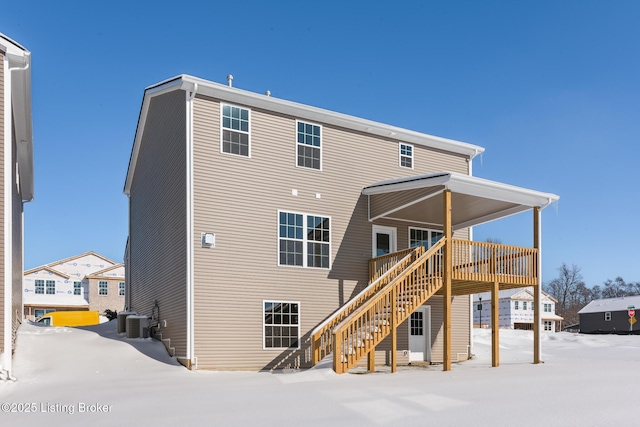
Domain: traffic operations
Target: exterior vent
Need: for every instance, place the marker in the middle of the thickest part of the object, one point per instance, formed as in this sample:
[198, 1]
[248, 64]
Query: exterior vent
[122, 319]
[137, 326]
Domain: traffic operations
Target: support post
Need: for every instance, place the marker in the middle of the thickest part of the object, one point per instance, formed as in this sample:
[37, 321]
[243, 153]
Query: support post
[394, 325]
[495, 325]
[448, 252]
[537, 294]
[371, 360]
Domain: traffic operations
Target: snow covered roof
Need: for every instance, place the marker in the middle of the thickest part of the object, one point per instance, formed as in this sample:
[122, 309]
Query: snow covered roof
[611, 304]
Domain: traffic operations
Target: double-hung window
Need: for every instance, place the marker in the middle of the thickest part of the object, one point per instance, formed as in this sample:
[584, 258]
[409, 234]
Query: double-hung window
[309, 145]
[303, 240]
[235, 130]
[77, 288]
[39, 286]
[103, 288]
[281, 324]
[423, 237]
[121, 288]
[515, 305]
[406, 155]
[51, 287]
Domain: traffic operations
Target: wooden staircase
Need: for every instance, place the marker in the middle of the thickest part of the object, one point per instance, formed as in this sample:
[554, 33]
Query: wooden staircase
[400, 289]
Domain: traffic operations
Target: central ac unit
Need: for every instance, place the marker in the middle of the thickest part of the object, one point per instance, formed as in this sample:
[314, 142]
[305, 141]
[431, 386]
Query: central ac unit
[122, 320]
[137, 326]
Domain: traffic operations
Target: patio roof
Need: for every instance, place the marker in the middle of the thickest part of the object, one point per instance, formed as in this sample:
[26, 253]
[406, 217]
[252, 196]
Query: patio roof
[474, 200]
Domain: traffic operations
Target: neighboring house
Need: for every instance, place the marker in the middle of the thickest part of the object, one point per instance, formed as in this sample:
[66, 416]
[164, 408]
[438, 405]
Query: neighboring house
[253, 219]
[16, 185]
[610, 316]
[516, 310]
[84, 282]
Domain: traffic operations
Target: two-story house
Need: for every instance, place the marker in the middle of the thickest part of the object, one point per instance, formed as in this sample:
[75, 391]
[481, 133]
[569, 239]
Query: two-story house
[87, 281]
[516, 308]
[16, 185]
[269, 234]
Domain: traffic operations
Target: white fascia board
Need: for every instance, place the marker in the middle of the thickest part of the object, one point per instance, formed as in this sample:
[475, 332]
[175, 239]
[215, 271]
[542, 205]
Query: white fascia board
[411, 183]
[302, 111]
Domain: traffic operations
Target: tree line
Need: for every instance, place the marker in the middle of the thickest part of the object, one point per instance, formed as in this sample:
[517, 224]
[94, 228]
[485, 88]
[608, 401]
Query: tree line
[573, 294]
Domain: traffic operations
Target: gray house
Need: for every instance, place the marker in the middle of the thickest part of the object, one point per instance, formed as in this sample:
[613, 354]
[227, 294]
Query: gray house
[610, 316]
[16, 185]
[262, 230]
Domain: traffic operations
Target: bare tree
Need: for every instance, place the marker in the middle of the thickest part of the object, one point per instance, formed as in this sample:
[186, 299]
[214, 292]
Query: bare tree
[565, 288]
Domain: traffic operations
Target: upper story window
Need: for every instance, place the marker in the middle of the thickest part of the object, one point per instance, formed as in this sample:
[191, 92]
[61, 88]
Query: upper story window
[515, 305]
[121, 288]
[524, 305]
[103, 288]
[303, 240]
[77, 288]
[39, 286]
[547, 308]
[309, 145]
[235, 130]
[51, 287]
[423, 237]
[406, 155]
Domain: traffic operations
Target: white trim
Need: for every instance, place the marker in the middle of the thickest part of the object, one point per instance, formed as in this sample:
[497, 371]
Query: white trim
[264, 325]
[304, 239]
[406, 205]
[248, 133]
[298, 143]
[190, 345]
[8, 200]
[430, 230]
[383, 229]
[400, 155]
[426, 327]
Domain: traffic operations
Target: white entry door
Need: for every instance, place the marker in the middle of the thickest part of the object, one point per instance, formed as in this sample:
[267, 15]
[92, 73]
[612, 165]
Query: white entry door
[420, 335]
[384, 240]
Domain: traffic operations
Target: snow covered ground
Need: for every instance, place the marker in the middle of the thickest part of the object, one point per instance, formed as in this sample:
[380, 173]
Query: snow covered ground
[93, 376]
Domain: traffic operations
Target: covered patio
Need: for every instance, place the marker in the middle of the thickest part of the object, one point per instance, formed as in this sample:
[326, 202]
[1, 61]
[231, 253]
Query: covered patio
[451, 201]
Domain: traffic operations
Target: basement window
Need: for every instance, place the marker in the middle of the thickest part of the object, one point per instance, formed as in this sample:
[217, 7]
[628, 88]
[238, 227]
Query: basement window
[281, 325]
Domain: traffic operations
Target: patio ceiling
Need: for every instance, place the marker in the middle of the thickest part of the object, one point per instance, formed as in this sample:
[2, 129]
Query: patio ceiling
[474, 200]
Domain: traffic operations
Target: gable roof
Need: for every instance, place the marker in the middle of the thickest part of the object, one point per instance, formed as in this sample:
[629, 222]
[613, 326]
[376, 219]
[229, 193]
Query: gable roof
[49, 269]
[19, 60]
[102, 273]
[294, 109]
[611, 304]
[62, 261]
[519, 293]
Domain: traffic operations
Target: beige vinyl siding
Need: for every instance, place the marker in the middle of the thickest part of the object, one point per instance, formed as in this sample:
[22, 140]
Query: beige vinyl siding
[158, 219]
[112, 301]
[238, 199]
[2, 201]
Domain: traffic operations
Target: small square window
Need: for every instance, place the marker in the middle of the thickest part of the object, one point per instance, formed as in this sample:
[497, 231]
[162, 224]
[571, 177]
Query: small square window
[607, 316]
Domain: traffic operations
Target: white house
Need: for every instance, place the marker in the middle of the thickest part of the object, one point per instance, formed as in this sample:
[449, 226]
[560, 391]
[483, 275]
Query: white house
[516, 310]
[84, 282]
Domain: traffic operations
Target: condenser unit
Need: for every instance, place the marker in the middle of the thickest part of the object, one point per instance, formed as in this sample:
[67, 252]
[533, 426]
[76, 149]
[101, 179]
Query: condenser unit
[122, 320]
[137, 327]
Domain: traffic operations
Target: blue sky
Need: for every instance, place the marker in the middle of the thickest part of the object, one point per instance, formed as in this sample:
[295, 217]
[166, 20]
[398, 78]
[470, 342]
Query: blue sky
[549, 88]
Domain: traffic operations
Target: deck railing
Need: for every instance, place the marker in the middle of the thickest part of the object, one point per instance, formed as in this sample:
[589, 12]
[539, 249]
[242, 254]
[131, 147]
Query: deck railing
[361, 331]
[489, 262]
[383, 270]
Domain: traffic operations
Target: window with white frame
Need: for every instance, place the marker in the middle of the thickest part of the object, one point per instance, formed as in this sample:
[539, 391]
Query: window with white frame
[51, 287]
[548, 325]
[607, 316]
[547, 308]
[309, 145]
[524, 305]
[406, 155]
[423, 237]
[515, 305]
[39, 312]
[39, 286]
[77, 288]
[103, 288]
[121, 287]
[303, 240]
[235, 130]
[281, 324]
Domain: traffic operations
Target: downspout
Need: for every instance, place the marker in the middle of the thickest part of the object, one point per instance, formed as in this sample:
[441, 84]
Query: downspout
[190, 263]
[6, 365]
[470, 346]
